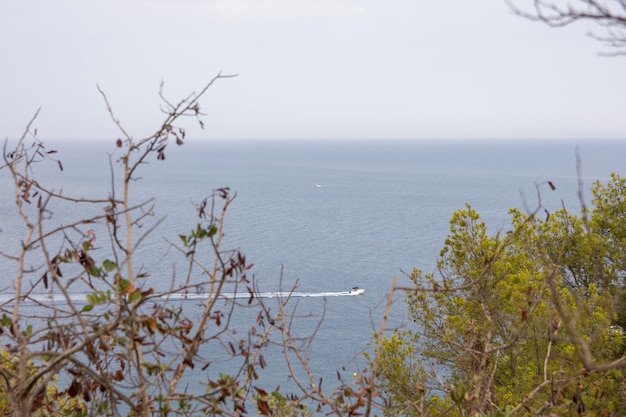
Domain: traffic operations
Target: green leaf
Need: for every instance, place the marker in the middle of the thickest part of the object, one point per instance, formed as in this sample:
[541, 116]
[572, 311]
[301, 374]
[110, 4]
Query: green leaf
[94, 271]
[134, 296]
[28, 331]
[123, 284]
[109, 265]
[91, 298]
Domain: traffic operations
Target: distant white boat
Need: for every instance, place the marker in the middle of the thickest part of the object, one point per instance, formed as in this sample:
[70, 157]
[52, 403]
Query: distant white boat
[318, 185]
[356, 291]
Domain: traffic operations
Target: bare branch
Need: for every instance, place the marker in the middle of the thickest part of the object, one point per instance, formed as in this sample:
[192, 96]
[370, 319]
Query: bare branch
[608, 14]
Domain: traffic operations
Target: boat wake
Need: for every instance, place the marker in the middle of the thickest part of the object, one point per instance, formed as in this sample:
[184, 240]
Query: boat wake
[200, 296]
[82, 298]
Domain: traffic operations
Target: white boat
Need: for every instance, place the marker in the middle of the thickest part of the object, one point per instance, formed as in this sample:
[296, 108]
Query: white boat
[356, 291]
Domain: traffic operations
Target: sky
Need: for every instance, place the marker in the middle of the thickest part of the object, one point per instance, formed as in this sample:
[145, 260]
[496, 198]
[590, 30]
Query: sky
[306, 69]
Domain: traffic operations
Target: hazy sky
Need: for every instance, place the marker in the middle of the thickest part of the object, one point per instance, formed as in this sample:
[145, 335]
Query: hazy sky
[307, 69]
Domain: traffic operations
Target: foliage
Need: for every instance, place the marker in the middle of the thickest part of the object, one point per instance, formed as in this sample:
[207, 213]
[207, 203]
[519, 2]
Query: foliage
[50, 401]
[129, 346]
[523, 321]
[402, 385]
[276, 404]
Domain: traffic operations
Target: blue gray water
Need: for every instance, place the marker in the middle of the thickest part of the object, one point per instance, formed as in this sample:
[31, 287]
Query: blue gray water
[330, 215]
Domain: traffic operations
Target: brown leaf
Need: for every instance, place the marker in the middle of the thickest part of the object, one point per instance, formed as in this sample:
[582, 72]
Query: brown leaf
[185, 339]
[523, 313]
[263, 407]
[86, 394]
[240, 406]
[189, 362]
[74, 388]
[186, 324]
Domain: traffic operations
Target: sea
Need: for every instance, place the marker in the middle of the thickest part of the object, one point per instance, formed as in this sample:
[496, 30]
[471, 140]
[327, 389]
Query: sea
[319, 217]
